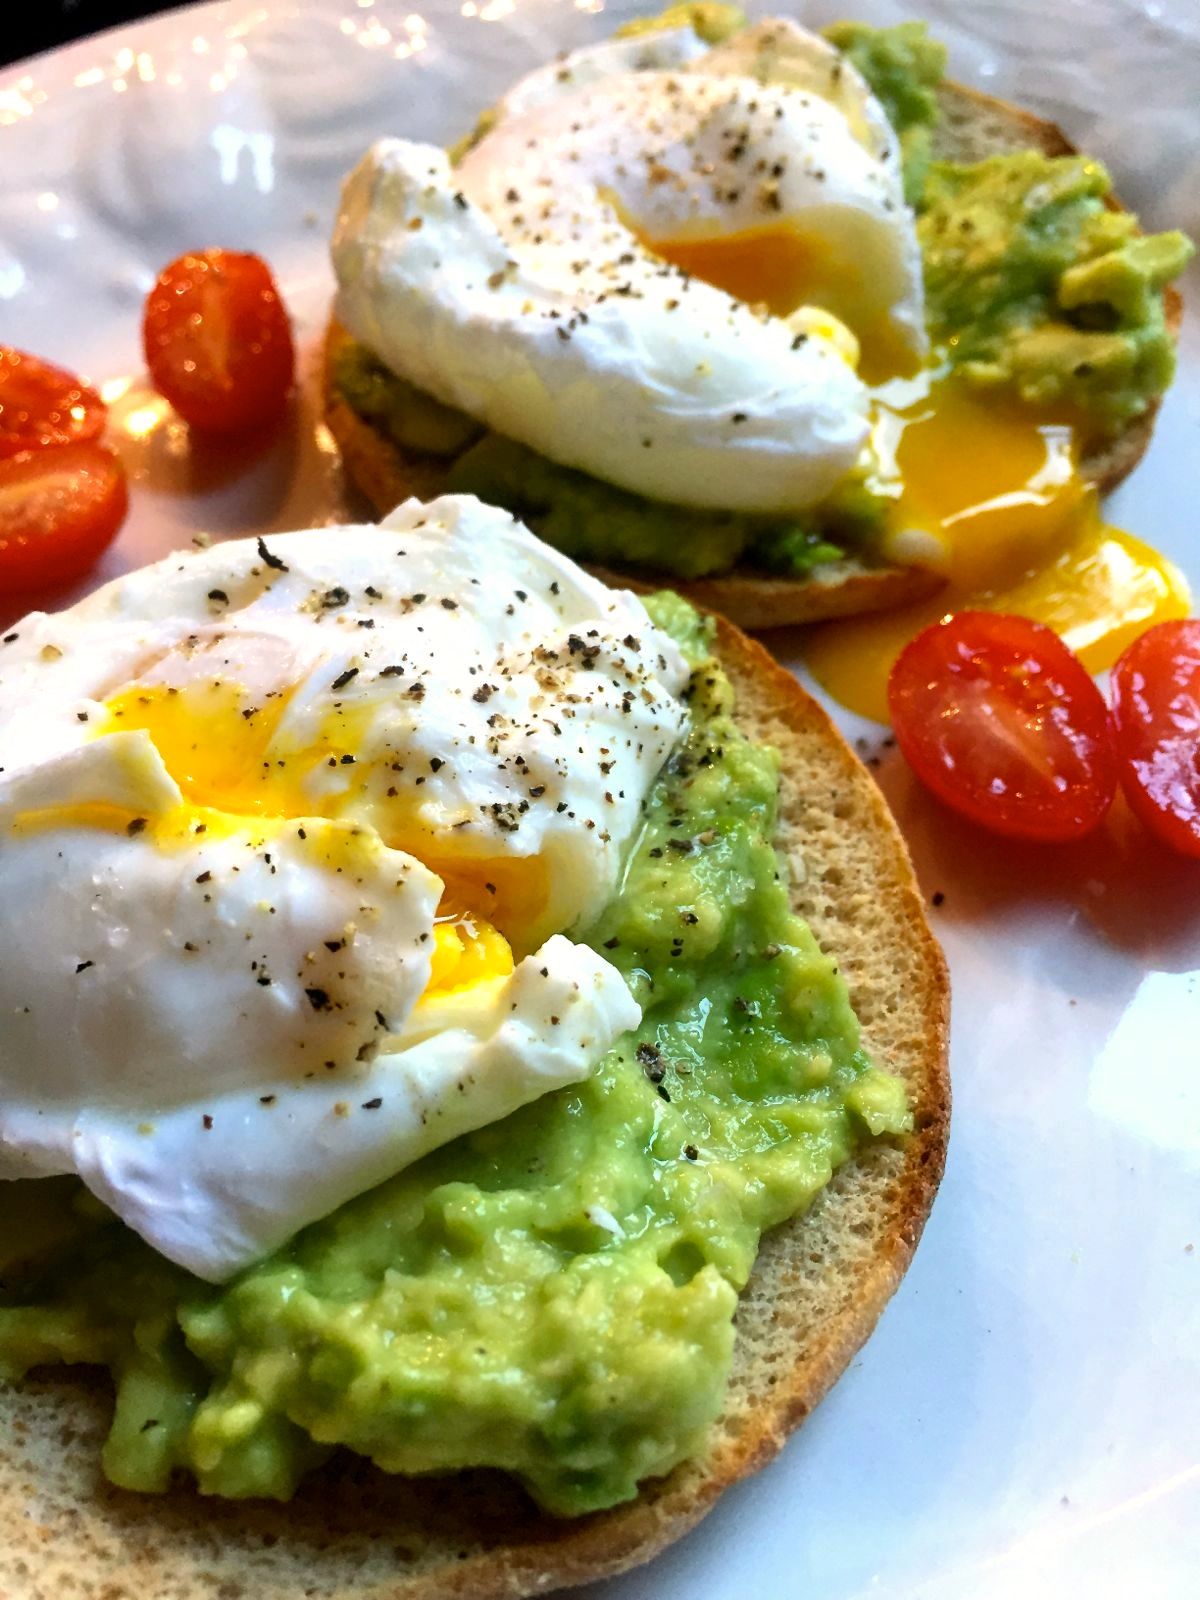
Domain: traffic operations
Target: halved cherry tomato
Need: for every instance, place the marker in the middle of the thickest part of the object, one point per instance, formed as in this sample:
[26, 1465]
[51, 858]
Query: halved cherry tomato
[1156, 707]
[217, 341]
[60, 508]
[41, 404]
[1001, 720]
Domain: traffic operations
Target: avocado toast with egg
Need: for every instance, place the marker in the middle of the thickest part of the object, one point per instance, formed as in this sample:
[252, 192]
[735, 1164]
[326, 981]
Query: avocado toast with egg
[553, 1291]
[1039, 297]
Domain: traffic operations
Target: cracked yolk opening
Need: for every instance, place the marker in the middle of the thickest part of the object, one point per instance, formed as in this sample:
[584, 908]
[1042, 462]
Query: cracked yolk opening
[782, 270]
[222, 749]
[772, 267]
[466, 951]
[218, 743]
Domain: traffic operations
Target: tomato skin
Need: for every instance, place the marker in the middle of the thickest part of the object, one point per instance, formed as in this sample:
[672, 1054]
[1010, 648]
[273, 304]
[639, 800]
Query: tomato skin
[1002, 721]
[1155, 690]
[218, 342]
[60, 509]
[42, 405]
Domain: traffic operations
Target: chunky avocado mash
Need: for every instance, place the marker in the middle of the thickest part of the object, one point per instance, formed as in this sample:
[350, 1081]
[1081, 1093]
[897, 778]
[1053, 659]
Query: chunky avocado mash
[594, 521]
[590, 520]
[904, 67]
[1032, 283]
[587, 519]
[554, 1294]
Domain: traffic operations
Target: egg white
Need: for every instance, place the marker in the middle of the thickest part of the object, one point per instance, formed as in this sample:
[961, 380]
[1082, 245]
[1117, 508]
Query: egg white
[222, 1019]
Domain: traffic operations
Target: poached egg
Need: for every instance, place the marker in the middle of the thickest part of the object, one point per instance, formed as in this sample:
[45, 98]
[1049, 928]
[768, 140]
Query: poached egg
[623, 272]
[292, 835]
[689, 251]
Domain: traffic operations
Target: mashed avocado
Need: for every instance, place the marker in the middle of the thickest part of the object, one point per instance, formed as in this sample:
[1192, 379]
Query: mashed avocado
[414, 419]
[594, 521]
[554, 1294]
[904, 67]
[1032, 284]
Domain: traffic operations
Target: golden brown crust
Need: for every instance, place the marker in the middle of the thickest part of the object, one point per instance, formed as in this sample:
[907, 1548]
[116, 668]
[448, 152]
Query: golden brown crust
[814, 1296]
[972, 125]
[754, 600]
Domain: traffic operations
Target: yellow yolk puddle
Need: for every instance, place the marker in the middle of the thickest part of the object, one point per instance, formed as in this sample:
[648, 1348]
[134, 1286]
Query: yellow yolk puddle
[993, 499]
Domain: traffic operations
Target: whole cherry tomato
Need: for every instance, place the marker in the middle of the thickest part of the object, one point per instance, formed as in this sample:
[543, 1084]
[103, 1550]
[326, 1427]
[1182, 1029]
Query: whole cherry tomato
[60, 508]
[1156, 707]
[1001, 720]
[218, 342]
[41, 404]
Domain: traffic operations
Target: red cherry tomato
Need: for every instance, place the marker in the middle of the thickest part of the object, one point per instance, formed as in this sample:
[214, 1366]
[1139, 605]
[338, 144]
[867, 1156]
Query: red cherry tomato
[1156, 707]
[1004, 724]
[217, 341]
[43, 405]
[60, 508]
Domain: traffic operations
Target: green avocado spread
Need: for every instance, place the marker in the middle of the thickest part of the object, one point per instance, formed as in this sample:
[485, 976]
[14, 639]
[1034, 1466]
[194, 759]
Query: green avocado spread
[903, 67]
[1032, 284]
[554, 1294]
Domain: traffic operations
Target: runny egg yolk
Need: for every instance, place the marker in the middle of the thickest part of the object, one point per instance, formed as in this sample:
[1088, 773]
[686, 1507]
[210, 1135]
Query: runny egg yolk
[781, 269]
[991, 497]
[216, 743]
[774, 267]
[989, 494]
[466, 951]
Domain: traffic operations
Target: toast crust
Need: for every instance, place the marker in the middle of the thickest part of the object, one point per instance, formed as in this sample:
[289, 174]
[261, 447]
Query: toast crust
[816, 1291]
[972, 125]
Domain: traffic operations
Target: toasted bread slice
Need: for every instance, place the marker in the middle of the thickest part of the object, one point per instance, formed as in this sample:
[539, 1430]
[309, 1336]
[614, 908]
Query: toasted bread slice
[819, 1285]
[971, 126]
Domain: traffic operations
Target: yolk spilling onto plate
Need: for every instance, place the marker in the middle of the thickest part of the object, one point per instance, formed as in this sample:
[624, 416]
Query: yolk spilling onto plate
[216, 742]
[993, 500]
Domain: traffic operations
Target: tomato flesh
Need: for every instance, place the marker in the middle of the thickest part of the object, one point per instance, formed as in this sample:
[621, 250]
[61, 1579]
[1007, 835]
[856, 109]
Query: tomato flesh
[218, 342]
[1002, 722]
[1156, 707]
[41, 404]
[60, 509]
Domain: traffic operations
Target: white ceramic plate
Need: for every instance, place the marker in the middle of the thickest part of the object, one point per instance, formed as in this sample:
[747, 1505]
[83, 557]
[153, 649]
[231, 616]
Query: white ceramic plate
[1026, 1420]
